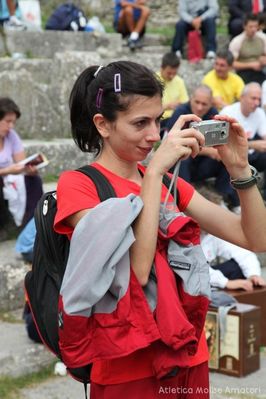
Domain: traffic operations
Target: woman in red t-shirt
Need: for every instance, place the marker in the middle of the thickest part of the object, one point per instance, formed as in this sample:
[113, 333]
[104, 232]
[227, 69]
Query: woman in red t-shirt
[115, 113]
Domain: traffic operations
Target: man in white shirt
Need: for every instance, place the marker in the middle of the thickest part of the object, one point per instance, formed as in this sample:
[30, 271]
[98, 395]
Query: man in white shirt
[231, 267]
[253, 119]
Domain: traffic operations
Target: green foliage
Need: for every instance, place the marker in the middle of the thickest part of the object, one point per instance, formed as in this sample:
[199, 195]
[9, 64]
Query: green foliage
[9, 386]
[9, 317]
[166, 31]
[50, 178]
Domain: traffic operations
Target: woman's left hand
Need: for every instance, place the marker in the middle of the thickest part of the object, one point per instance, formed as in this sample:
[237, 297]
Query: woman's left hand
[31, 170]
[234, 154]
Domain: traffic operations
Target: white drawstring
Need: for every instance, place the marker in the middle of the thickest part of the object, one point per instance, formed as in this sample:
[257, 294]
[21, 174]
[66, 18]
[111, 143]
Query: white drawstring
[173, 183]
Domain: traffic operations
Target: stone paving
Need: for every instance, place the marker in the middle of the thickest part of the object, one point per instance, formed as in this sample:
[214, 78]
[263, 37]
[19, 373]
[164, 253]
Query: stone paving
[19, 356]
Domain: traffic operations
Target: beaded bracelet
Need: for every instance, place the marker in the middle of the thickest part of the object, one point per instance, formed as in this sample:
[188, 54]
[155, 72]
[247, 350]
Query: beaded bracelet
[242, 184]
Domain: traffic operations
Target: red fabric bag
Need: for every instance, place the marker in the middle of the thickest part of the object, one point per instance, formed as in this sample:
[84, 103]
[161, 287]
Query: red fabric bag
[195, 49]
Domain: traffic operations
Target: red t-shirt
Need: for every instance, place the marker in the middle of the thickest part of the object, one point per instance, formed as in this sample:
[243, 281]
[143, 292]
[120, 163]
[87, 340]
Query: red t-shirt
[76, 192]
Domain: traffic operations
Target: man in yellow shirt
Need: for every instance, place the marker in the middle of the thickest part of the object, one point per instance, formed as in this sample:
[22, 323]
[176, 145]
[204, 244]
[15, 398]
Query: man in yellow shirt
[226, 86]
[175, 91]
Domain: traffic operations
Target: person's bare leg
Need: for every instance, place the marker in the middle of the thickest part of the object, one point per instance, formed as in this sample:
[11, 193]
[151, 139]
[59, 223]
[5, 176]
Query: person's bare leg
[14, 22]
[126, 20]
[141, 22]
[11, 5]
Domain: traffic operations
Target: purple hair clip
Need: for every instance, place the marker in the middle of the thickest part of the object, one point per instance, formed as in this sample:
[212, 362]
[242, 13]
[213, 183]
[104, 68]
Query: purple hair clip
[117, 82]
[99, 98]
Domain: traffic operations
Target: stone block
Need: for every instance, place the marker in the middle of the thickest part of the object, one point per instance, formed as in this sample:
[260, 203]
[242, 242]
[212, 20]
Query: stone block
[12, 272]
[62, 153]
[44, 44]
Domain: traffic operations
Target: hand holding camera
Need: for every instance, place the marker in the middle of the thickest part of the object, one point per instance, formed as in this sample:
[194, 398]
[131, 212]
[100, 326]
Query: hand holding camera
[234, 152]
[215, 132]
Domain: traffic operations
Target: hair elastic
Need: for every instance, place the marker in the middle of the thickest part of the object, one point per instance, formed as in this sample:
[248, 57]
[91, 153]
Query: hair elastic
[98, 70]
[117, 82]
[99, 98]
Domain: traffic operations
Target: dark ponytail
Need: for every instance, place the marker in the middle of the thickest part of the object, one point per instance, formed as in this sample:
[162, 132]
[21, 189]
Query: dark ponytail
[100, 94]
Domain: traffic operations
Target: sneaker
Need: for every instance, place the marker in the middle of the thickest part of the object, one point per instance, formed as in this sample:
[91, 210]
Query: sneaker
[178, 54]
[210, 55]
[60, 369]
[14, 24]
[132, 44]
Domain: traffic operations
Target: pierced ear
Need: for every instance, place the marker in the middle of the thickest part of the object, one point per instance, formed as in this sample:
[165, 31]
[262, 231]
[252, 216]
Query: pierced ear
[102, 125]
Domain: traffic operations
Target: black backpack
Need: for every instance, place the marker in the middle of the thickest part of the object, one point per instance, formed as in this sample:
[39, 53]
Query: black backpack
[50, 255]
[63, 17]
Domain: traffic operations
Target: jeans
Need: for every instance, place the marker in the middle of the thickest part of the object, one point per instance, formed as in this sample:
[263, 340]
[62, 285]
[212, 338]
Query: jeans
[208, 29]
[230, 269]
[202, 168]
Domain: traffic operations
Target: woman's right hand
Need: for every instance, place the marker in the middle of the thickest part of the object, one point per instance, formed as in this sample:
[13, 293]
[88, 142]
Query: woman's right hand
[178, 144]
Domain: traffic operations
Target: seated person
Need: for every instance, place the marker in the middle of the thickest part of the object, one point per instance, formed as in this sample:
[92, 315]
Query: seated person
[175, 91]
[231, 266]
[130, 18]
[252, 117]
[249, 51]
[226, 86]
[208, 163]
[238, 9]
[25, 241]
[20, 185]
[198, 15]
[30, 325]
[8, 15]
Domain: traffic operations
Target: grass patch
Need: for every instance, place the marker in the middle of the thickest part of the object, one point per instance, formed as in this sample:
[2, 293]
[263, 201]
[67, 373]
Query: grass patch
[50, 178]
[9, 317]
[9, 387]
[166, 31]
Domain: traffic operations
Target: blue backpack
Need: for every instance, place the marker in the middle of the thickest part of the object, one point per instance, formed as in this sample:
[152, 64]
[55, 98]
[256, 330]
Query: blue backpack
[67, 17]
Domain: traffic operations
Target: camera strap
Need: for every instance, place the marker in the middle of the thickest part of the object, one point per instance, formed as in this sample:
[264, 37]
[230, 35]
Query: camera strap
[172, 183]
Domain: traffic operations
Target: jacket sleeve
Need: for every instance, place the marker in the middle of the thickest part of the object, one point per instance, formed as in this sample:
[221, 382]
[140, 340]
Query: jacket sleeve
[183, 11]
[212, 10]
[217, 279]
[234, 9]
[97, 271]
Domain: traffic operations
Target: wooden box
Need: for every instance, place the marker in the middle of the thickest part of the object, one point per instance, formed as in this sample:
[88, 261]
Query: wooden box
[256, 297]
[238, 353]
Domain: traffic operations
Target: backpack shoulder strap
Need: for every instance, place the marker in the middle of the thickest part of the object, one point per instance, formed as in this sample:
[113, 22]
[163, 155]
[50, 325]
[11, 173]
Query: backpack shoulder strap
[104, 188]
[166, 182]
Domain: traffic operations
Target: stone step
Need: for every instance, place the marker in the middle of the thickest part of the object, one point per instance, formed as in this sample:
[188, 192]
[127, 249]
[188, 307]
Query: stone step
[41, 86]
[18, 354]
[44, 44]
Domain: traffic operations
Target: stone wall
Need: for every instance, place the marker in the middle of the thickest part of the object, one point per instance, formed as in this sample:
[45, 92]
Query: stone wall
[41, 84]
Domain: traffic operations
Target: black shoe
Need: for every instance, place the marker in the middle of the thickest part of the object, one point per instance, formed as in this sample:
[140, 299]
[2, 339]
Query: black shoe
[9, 231]
[134, 44]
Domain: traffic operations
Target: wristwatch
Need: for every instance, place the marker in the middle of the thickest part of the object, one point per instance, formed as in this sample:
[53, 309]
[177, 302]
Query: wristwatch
[242, 184]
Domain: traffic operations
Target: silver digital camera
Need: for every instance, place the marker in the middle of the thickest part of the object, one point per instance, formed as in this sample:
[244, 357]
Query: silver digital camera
[215, 132]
